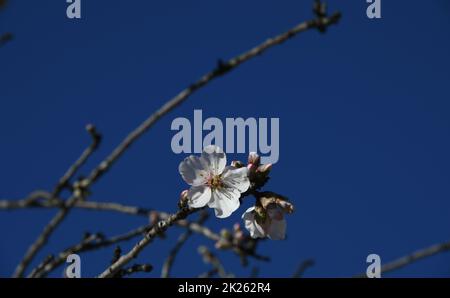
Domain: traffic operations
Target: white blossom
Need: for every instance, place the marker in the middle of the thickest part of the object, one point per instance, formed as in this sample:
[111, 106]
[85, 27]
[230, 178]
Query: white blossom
[212, 182]
[266, 223]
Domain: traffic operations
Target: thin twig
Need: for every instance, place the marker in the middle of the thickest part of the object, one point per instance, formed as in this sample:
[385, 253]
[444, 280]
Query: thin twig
[210, 258]
[116, 207]
[321, 22]
[208, 274]
[41, 266]
[93, 242]
[135, 269]
[222, 68]
[255, 272]
[167, 266]
[41, 199]
[58, 218]
[64, 180]
[5, 38]
[303, 267]
[160, 227]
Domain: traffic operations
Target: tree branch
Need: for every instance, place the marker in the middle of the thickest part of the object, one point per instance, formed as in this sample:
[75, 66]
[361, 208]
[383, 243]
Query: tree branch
[91, 242]
[59, 217]
[321, 23]
[210, 258]
[167, 266]
[160, 227]
[302, 268]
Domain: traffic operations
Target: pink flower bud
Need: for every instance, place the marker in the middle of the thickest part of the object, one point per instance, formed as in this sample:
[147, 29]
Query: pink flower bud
[184, 195]
[254, 158]
[286, 206]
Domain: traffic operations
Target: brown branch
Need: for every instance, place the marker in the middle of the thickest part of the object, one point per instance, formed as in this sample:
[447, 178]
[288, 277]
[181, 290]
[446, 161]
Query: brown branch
[303, 267]
[41, 199]
[167, 266]
[78, 194]
[413, 257]
[38, 200]
[210, 258]
[208, 274]
[5, 38]
[160, 227]
[92, 242]
[136, 268]
[64, 180]
[321, 22]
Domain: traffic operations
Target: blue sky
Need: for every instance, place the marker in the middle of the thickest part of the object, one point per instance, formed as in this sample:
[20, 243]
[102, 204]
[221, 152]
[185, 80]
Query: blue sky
[364, 123]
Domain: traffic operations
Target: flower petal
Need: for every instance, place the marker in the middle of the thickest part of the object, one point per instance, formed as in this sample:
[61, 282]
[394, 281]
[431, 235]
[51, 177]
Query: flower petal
[215, 158]
[225, 201]
[194, 170]
[255, 230]
[199, 196]
[275, 212]
[236, 178]
[277, 229]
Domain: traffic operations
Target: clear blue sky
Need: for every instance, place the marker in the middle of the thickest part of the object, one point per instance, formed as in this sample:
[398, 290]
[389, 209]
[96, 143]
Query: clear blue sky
[364, 123]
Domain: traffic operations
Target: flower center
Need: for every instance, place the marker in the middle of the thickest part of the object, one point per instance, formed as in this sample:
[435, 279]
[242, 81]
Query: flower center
[215, 182]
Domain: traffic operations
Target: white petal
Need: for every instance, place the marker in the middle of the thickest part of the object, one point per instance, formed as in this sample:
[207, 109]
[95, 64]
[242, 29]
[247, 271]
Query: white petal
[236, 178]
[255, 230]
[277, 229]
[199, 196]
[194, 170]
[215, 158]
[225, 201]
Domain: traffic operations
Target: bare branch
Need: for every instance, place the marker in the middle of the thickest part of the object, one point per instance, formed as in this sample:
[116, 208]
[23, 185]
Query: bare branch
[92, 242]
[42, 265]
[5, 38]
[136, 268]
[78, 194]
[208, 274]
[160, 227]
[64, 180]
[210, 258]
[116, 207]
[321, 22]
[303, 267]
[180, 242]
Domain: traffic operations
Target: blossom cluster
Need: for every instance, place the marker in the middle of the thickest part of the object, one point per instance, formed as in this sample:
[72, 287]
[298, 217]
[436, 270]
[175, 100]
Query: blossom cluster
[221, 187]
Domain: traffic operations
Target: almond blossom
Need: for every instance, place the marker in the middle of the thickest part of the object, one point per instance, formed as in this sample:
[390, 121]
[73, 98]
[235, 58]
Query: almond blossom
[212, 182]
[267, 220]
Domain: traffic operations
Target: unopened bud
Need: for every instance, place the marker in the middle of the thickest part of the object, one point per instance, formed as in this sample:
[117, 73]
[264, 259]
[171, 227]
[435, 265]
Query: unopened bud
[183, 198]
[224, 233]
[266, 198]
[287, 207]
[236, 227]
[254, 158]
[153, 217]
